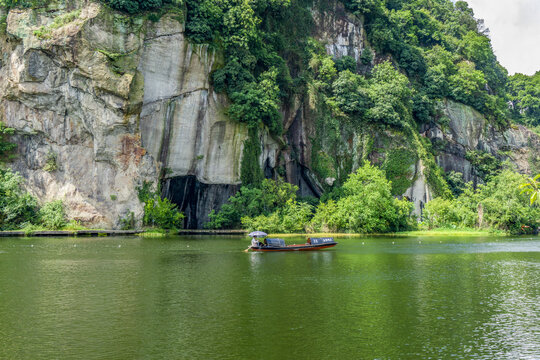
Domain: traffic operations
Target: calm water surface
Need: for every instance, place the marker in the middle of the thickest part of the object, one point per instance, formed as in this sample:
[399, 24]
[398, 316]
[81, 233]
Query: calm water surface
[203, 298]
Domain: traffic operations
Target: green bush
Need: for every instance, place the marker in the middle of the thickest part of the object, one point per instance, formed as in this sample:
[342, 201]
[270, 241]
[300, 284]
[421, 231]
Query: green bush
[292, 218]
[367, 206]
[269, 197]
[162, 213]
[16, 205]
[6, 147]
[498, 204]
[52, 215]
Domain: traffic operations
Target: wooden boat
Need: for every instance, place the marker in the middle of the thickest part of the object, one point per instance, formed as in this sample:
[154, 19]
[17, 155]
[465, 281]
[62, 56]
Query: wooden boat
[279, 245]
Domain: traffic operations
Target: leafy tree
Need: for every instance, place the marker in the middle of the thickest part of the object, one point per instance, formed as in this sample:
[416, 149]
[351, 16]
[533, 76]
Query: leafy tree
[250, 171]
[16, 205]
[390, 96]
[258, 102]
[6, 147]
[532, 188]
[498, 204]
[270, 196]
[162, 213]
[367, 205]
[350, 93]
[524, 93]
[52, 215]
[291, 218]
[345, 63]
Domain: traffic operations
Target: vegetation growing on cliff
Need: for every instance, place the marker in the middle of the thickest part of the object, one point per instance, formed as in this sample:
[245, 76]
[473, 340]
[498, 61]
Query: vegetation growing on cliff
[19, 209]
[524, 93]
[6, 146]
[158, 212]
[365, 205]
[498, 204]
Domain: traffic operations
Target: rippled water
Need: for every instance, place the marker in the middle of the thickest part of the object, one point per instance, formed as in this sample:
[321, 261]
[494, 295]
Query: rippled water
[203, 298]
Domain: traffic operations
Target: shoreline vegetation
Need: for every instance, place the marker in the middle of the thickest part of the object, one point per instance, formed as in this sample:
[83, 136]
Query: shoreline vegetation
[439, 52]
[155, 233]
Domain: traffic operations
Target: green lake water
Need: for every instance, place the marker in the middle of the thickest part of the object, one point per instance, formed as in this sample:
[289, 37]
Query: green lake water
[203, 298]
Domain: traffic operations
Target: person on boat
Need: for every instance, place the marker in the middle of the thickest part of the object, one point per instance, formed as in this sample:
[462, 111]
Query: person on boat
[254, 242]
[308, 241]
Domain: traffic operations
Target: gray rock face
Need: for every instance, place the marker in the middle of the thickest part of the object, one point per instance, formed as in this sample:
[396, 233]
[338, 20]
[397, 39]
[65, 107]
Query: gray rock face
[468, 130]
[342, 33]
[117, 103]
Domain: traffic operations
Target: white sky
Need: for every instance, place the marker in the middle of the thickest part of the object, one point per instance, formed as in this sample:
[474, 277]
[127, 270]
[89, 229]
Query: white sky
[514, 31]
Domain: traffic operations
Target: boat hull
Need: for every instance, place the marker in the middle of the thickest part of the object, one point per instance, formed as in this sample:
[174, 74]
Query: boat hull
[301, 247]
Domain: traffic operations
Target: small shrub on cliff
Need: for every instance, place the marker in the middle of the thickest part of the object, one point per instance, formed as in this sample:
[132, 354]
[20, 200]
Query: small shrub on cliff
[52, 215]
[367, 206]
[292, 218]
[162, 213]
[16, 205]
[270, 196]
[6, 147]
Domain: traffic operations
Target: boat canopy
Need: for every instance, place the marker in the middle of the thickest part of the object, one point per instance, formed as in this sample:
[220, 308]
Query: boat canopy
[275, 242]
[319, 241]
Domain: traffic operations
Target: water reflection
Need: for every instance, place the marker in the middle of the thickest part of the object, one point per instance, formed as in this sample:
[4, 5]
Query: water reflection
[206, 298]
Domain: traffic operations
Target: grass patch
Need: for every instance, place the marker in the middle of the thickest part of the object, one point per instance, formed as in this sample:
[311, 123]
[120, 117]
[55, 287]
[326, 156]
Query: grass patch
[44, 32]
[157, 232]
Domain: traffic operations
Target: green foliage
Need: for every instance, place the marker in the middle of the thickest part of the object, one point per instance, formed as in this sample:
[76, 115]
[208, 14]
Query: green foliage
[524, 93]
[345, 63]
[16, 205]
[51, 164]
[390, 95]
[251, 34]
[367, 56]
[250, 171]
[138, 6]
[6, 147]
[44, 32]
[162, 213]
[485, 164]
[144, 192]
[269, 197]
[385, 98]
[20, 210]
[291, 218]
[442, 48]
[128, 221]
[52, 215]
[367, 206]
[258, 102]
[11, 4]
[397, 167]
[532, 188]
[158, 212]
[455, 182]
[498, 204]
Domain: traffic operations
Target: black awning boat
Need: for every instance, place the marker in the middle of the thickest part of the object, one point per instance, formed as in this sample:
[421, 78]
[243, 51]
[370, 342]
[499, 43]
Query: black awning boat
[279, 245]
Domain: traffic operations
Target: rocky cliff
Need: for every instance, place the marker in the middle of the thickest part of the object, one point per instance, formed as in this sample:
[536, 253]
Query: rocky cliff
[103, 102]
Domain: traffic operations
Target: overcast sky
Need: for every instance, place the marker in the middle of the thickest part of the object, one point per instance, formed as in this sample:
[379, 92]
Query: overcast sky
[514, 31]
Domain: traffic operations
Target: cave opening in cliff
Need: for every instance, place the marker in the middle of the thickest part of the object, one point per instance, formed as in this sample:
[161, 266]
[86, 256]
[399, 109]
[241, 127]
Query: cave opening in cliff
[196, 199]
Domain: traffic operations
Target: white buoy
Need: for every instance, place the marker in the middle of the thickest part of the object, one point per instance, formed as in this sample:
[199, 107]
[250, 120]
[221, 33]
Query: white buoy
[119, 245]
[392, 243]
